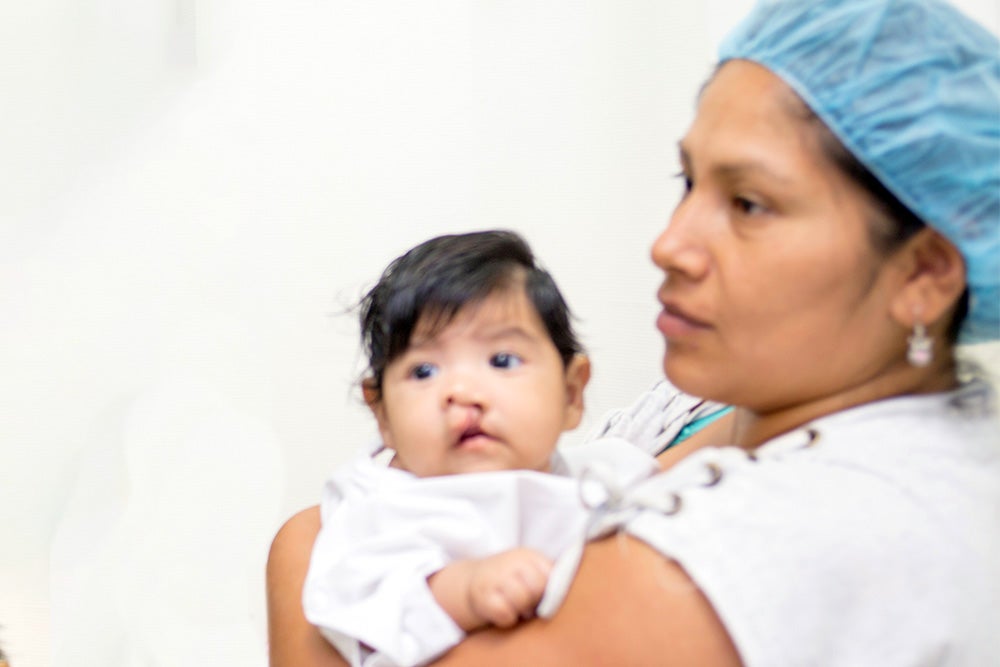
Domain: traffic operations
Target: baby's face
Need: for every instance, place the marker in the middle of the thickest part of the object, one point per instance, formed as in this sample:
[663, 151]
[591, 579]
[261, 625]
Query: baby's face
[487, 392]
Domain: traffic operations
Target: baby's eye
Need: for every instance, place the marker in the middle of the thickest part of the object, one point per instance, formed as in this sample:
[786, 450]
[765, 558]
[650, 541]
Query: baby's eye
[423, 371]
[505, 360]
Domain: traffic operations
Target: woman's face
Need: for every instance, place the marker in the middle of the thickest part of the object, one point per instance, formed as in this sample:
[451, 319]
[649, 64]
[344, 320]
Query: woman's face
[773, 293]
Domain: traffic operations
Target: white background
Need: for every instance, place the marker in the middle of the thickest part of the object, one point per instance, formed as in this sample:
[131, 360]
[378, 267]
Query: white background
[193, 192]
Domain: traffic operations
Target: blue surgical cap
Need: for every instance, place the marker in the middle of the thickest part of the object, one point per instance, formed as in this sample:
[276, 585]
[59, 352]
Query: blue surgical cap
[912, 89]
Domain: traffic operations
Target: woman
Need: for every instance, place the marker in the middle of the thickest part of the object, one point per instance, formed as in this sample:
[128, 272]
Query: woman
[839, 232]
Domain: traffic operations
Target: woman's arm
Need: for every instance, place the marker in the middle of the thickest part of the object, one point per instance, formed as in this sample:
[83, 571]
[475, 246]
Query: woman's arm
[292, 640]
[627, 606]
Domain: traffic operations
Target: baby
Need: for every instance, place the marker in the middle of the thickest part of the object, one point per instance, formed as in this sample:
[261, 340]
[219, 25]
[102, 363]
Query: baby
[473, 368]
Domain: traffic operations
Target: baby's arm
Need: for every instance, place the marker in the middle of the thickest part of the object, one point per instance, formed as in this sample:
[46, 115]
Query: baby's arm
[497, 590]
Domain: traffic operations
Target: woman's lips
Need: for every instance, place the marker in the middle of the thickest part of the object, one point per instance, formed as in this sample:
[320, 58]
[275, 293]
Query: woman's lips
[675, 323]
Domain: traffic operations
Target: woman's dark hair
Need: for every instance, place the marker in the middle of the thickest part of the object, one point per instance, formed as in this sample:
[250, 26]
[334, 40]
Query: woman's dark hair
[430, 283]
[897, 223]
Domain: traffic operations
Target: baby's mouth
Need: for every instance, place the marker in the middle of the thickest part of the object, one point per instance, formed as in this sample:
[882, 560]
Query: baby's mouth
[472, 433]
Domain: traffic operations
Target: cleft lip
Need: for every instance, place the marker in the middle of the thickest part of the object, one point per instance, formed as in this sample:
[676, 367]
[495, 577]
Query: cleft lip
[471, 432]
[472, 435]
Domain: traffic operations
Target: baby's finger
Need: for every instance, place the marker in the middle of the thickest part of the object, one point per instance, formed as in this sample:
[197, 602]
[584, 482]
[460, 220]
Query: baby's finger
[524, 590]
[496, 607]
[536, 570]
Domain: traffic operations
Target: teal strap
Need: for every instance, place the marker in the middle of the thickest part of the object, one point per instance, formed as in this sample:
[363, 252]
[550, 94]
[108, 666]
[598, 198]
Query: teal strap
[698, 424]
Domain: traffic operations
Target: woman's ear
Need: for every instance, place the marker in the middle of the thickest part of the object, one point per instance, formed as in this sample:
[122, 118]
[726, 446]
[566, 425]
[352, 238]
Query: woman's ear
[577, 377]
[373, 399]
[933, 281]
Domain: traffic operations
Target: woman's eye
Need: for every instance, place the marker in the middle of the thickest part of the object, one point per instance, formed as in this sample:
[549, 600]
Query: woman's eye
[505, 360]
[748, 206]
[684, 179]
[423, 371]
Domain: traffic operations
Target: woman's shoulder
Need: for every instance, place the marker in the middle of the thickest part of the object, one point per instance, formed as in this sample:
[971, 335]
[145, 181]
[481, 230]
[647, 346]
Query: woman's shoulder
[973, 404]
[931, 460]
[884, 512]
[918, 437]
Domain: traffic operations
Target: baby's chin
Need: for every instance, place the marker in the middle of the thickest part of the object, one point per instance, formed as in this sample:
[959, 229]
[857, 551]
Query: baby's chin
[481, 461]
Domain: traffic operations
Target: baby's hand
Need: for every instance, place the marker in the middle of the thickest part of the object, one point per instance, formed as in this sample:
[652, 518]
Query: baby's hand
[507, 587]
[497, 590]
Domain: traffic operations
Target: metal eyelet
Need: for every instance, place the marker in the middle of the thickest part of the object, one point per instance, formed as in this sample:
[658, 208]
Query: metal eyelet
[716, 474]
[678, 503]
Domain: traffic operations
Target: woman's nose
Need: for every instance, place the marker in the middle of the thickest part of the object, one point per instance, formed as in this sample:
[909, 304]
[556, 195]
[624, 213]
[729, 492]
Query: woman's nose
[680, 248]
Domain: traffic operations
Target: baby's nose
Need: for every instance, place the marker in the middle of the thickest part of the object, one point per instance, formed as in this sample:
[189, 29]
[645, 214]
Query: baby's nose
[464, 391]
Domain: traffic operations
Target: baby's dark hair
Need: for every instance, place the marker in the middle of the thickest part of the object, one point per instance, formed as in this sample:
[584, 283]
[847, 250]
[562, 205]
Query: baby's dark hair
[436, 279]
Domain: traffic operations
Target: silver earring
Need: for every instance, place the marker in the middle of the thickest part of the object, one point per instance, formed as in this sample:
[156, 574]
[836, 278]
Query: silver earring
[920, 351]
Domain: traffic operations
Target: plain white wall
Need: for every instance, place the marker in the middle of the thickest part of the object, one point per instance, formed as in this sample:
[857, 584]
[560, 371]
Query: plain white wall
[192, 193]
